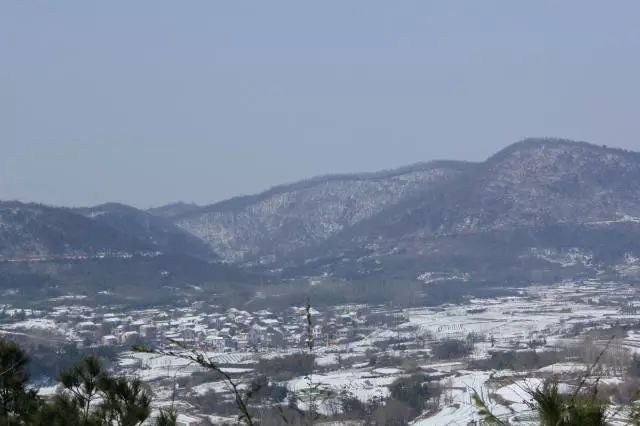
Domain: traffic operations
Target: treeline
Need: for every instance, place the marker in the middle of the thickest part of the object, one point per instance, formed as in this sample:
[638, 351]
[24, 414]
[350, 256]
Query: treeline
[283, 368]
[398, 293]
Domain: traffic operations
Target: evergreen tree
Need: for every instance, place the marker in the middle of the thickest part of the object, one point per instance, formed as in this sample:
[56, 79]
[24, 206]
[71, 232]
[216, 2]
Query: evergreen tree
[16, 401]
[167, 418]
[82, 380]
[60, 411]
[126, 402]
[91, 396]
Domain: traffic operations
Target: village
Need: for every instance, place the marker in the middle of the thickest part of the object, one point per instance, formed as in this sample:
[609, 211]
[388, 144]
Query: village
[230, 331]
[357, 350]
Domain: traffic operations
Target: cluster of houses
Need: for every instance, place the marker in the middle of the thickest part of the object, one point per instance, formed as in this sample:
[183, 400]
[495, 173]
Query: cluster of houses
[231, 330]
[202, 326]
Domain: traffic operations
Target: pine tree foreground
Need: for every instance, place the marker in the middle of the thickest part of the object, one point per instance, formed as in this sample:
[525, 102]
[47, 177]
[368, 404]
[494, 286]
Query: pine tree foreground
[91, 396]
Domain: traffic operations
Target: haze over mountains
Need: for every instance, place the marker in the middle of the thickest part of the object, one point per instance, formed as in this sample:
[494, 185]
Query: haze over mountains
[533, 206]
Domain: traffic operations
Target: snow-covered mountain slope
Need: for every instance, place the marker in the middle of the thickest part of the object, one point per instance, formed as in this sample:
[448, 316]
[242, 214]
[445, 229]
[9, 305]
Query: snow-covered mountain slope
[152, 230]
[35, 230]
[291, 217]
[539, 193]
[529, 184]
[29, 230]
[540, 204]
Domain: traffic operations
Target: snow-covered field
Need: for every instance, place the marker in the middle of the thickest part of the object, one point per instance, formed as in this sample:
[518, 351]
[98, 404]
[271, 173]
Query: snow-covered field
[547, 316]
[507, 323]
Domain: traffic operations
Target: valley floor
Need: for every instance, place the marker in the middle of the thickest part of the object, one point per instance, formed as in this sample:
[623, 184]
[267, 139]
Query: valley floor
[511, 345]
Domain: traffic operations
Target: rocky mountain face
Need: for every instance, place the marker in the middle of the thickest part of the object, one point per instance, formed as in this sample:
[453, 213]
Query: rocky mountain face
[280, 221]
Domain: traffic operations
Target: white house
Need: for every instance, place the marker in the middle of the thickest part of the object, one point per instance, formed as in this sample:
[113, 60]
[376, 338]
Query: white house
[109, 340]
[184, 420]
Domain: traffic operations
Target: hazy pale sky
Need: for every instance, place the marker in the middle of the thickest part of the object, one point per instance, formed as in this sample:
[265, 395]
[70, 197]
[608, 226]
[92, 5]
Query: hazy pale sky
[147, 102]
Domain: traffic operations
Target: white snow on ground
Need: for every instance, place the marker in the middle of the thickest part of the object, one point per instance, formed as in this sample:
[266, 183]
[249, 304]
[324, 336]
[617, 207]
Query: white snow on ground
[445, 367]
[36, 323]
[47, 391]
[128, 362]
[506, 323]
[563, 367]
[387, 371]
[150, 366]
[68, 297]
[362, 384]
[220, 420]
[234, 370]
[625, 218]
[218, 387]
[507, 319]
[632, 341]
[461, 411]
[327, 359]
[519, 391]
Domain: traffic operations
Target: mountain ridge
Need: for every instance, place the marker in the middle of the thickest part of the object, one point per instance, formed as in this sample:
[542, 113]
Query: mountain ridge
[158, 232]
[242, 200]
[517, 196]
[537, 195]
[243, 228]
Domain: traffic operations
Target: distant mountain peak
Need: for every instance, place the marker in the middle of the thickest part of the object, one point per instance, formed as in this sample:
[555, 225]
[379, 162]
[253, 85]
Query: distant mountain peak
[534, 143]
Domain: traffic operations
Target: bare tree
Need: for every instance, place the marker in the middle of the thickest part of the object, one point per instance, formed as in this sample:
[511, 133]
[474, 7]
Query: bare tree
[202, 359]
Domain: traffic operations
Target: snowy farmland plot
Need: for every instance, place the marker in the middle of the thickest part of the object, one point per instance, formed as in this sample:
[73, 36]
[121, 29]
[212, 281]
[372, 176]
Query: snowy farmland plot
[362, 357]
